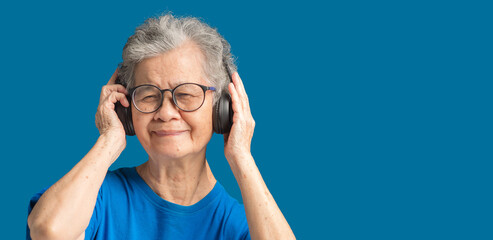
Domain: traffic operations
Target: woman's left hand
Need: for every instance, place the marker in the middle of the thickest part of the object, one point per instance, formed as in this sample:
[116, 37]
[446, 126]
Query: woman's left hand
[264, 217]
[237, 142]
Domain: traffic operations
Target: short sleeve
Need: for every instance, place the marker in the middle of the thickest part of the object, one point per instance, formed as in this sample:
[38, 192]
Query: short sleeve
[32, 203]
[95, 221]
[237, 223]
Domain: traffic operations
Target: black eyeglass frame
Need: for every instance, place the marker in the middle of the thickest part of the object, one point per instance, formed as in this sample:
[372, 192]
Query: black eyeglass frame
[204, 89]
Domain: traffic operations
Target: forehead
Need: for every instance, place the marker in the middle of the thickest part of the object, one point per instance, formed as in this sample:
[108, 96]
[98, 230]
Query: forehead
[182, 64]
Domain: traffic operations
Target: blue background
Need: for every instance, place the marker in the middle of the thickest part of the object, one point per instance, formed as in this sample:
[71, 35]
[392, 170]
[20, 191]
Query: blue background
[374, 119]
[426, 120]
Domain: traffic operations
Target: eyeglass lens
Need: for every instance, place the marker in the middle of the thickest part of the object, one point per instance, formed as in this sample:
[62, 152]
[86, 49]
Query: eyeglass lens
[187, 97]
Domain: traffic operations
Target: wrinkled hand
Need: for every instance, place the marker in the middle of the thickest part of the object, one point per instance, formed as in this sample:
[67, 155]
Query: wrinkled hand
[238, 141]
[107, 120]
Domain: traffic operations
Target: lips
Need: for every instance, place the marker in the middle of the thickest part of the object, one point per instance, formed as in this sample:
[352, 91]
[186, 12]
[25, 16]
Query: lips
[165, 133]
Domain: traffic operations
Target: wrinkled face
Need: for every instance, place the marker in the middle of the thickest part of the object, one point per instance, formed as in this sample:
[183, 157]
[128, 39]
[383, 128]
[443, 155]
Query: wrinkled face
[171, 133]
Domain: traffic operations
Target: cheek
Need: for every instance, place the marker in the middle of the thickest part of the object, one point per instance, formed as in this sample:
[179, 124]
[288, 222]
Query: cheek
[207, 116]
[201, 122]
[140, 125]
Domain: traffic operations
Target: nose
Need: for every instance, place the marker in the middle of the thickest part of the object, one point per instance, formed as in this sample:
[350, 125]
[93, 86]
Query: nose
[168, 110]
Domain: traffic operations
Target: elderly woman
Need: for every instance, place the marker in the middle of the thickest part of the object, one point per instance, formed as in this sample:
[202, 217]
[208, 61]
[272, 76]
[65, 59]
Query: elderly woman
[175, 72]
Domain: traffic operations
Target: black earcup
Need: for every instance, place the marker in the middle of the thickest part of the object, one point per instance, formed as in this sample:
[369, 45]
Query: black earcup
[222, 115]
[125, 116]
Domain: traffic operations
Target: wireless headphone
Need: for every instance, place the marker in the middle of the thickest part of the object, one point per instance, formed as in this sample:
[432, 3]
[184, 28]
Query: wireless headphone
[222, 112]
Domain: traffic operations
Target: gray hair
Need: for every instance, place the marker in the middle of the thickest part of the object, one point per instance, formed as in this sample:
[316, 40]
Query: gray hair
[159, 35]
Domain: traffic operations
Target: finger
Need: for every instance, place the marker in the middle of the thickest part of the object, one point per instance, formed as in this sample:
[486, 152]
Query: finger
[124, 102]
[118, 88]
[122, 98]
[236, 104]
[113, 77]
[240, 88]
[117, 97]
[108, 89]
[239, 85]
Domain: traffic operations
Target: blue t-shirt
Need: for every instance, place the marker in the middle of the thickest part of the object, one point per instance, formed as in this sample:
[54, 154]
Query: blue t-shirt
[127, 208]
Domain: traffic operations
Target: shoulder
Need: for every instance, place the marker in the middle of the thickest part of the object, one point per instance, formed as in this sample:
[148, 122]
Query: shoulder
[120, 176]
[235, 208]
[118, 181]
[115, 187]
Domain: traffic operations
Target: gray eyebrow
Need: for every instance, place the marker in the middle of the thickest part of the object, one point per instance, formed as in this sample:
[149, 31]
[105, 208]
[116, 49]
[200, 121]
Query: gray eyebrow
[172, 85]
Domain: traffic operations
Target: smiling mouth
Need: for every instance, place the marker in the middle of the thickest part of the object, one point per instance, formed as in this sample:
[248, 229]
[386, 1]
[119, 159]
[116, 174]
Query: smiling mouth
[168, 133]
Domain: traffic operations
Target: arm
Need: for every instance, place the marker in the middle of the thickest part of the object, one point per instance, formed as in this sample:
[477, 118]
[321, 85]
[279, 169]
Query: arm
[265, 219]
[65, 209]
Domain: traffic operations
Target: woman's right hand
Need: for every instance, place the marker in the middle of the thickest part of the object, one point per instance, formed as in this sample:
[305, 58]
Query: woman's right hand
[107, 121]
[80, 186]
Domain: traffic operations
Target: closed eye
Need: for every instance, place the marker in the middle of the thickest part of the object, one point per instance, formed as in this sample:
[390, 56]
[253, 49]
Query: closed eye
[150, 98]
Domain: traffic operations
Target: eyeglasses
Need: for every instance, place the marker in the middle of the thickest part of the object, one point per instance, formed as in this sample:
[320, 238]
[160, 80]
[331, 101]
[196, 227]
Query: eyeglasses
[187, 97]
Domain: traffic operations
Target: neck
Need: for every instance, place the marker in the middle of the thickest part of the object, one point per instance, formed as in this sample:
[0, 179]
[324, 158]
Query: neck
[180, 181]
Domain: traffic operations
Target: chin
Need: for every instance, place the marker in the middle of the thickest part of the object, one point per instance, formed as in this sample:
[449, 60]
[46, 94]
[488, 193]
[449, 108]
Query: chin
[170, 150]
